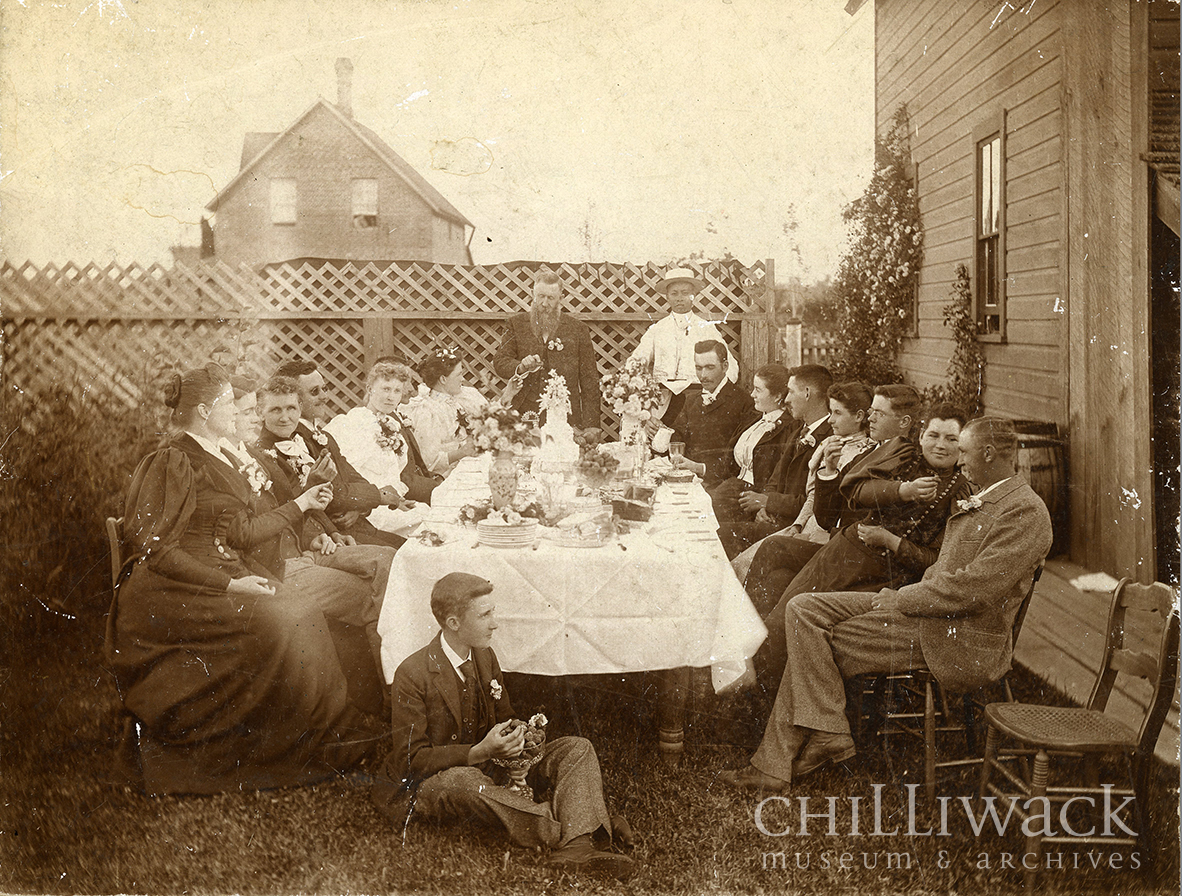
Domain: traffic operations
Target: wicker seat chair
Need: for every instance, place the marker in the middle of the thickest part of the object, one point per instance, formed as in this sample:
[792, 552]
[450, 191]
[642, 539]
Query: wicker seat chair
[1142, 644]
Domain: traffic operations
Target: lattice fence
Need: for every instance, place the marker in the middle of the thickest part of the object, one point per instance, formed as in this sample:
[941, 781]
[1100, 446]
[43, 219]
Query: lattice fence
[116, 330]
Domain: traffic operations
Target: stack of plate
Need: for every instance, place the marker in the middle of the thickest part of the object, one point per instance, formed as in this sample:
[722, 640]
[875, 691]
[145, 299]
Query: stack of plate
[503, 535]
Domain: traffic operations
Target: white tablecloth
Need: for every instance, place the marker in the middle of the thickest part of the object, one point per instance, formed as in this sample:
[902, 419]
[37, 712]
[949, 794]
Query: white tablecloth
[658, 598]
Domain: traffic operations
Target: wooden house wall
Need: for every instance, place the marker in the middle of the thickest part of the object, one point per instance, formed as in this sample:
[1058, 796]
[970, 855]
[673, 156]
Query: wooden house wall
[1106, 107]
[324, 158]
[956, 68]
[1068, 77]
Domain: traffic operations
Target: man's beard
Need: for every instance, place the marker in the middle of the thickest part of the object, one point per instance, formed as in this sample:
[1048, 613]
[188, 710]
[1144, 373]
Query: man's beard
[545, 321]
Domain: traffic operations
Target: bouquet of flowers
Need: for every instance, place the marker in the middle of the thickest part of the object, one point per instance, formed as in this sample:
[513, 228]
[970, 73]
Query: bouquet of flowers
[501, 429]
[389, 434]
[633, 393]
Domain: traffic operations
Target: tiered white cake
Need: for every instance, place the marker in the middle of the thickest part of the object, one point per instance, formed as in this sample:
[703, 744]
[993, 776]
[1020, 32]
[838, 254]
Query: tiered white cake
[558, 451]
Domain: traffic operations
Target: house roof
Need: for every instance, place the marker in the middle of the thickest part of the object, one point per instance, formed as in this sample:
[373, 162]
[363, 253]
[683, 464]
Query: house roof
[258, 146]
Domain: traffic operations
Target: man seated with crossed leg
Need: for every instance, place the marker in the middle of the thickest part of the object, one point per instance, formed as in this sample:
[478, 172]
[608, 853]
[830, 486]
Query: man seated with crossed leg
[957, 621]
[451, 718]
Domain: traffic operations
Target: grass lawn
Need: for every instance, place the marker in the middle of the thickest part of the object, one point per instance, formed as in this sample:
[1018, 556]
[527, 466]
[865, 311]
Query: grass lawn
[67, 826]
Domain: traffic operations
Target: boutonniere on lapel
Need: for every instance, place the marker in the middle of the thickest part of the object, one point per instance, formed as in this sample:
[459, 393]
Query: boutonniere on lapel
[389, 434]
[554, 345]
[807, 441]
[295, 452]
[972, 502]
[495, 689]
[319, 437]
[255, 475]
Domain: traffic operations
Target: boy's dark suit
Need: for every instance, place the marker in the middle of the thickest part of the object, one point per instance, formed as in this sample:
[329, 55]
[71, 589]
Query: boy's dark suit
[429, 763]
[709, 431]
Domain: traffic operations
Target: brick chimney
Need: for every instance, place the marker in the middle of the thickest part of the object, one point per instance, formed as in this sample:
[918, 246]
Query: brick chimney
[345, 86]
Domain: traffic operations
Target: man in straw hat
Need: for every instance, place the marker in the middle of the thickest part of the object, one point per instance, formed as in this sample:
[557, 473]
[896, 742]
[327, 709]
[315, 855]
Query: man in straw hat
[668, 345]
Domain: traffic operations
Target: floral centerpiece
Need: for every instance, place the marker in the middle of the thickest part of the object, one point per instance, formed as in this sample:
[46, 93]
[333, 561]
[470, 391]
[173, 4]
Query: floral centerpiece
[531, 753]
[501, 430]
[634, 394]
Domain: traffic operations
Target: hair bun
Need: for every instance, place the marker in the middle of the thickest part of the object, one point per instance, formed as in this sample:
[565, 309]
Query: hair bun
[172, 391]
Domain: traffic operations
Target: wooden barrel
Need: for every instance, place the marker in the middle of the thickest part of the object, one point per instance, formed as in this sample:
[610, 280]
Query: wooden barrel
[1042, 459]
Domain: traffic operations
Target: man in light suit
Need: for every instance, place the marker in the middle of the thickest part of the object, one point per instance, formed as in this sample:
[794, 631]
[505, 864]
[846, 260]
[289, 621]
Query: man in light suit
[451, 717]
[957, 621]
[667, 347]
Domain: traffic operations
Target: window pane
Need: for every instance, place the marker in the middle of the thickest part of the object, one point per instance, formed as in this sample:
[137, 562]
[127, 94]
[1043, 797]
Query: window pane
[984, 179]
[283, 200]
[995, 183]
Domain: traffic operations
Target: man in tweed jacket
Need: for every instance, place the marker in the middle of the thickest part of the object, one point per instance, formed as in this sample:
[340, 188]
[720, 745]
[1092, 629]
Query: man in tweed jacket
[957, 621]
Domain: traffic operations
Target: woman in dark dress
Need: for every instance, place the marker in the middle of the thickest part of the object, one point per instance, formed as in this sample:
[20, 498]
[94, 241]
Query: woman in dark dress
[235, 679]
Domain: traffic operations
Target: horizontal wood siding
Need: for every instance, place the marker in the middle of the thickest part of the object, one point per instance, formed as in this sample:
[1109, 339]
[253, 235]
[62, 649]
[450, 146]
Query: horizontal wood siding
[954, 64]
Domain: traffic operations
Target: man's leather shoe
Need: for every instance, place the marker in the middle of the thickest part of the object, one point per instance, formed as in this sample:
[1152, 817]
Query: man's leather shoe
[751, 778]
[622, 834]
[579, 856]
[823, 747]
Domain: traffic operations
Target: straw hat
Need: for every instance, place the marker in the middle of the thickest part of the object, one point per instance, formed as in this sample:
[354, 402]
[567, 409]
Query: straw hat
[680, 275]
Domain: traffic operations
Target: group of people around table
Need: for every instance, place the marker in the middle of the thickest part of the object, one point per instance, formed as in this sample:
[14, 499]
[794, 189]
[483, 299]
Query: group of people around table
[259, 540]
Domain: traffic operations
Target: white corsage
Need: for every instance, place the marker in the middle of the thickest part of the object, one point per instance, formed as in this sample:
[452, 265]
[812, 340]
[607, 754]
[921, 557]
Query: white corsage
[972, 502]
[255, 475]
[808, 441]
[554, 345]
[389, 434]
[495, 688]
[318, 436]
[297, 454]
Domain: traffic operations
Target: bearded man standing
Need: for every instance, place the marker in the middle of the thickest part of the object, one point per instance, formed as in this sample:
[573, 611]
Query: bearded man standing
[546, 339]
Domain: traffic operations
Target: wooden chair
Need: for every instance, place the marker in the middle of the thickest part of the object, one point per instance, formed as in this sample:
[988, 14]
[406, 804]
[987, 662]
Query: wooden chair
[127, 751]
[1055, 732]
[115, 543]
[938, 714]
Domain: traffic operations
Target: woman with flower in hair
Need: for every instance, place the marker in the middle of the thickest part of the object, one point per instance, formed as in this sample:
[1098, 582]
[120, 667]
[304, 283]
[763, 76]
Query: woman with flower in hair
[236, 680]
[377, 442]
[439, 414]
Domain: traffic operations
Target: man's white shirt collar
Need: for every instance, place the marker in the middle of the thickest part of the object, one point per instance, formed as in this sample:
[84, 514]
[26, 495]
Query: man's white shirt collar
[708, 398]
[984, 492]
[452, 657]
[816, 425]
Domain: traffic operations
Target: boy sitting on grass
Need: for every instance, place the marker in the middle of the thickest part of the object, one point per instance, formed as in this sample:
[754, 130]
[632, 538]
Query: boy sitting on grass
[451, 718]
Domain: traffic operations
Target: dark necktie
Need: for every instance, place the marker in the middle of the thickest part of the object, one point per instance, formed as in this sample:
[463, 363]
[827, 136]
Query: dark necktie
[468, 701]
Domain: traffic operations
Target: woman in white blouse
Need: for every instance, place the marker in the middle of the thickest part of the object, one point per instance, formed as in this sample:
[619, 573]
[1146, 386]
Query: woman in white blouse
[440, 415]
[373, 441]
[758, 446]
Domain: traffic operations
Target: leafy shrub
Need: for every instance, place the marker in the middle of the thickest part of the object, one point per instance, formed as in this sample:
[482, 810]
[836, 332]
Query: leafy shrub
[966, 367]
[876, 280]
[65, 463]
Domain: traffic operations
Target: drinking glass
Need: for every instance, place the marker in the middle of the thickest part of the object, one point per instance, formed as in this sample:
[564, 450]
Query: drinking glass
[676, 452]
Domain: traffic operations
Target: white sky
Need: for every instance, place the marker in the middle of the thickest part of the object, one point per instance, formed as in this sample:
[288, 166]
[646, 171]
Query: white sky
[622, 131]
